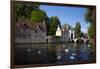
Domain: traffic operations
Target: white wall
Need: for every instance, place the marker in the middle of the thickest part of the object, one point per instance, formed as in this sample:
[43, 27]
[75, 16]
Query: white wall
[5, 34]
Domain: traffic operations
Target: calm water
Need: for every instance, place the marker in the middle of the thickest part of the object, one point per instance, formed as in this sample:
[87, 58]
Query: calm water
[52, 53]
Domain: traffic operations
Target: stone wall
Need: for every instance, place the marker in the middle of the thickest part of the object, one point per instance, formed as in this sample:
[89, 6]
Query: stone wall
[37, 36]
[53, 39]
[30, 36]
[65, 37]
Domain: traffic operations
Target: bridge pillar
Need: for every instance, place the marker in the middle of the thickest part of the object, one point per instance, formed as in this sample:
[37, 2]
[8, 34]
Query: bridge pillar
[73, 34]
[75, 40]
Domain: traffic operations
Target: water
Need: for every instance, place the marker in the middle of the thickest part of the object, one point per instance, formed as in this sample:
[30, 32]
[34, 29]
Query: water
[60, 53]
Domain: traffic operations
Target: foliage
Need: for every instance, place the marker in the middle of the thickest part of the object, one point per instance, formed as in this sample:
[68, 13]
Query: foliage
[81, 34]
[24, 10]
[54, 22]
[31, 11]
[77, 30]
[38, 15]
[88, 15]
[48, 25]
[90, 18]
[67, 26]
[91, 31]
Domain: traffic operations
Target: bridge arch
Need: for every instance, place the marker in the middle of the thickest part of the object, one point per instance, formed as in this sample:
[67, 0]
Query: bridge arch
[87, 41]
[80, 40]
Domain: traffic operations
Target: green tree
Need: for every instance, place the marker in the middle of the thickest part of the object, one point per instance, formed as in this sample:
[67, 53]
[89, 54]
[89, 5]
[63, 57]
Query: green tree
[91, 31]
[54, 22]
[67, 26]
[88, 15]
[48, 25]
[77, 30]
[90, 18]
[38, 15]
[24, 10]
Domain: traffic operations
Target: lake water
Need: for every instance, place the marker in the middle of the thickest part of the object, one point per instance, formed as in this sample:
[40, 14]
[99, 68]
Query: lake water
[59, 53]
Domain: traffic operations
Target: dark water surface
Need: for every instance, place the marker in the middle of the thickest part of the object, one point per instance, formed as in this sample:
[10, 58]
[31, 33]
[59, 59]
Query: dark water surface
[52, 53]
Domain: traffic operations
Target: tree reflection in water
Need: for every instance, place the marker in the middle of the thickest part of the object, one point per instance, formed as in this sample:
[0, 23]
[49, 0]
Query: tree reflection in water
[52, 53]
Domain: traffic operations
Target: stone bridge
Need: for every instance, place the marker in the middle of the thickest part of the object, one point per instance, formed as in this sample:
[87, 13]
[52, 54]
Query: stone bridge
[80, 40]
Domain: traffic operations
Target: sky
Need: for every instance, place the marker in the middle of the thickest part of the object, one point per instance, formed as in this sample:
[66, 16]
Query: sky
[69, 15]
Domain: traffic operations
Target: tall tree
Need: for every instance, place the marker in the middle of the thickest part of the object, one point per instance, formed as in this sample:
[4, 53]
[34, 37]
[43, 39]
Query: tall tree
[54, 22]
[38, 15]
[48, 25]
[90, 18]
[88, 15]
[66, 25]
[91, 31]
[69, 26]
[77, 30]
[24, 10]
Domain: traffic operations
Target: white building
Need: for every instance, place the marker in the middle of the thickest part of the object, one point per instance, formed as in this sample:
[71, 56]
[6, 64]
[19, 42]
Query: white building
[71, 34]
[65, 33]
[58, 31]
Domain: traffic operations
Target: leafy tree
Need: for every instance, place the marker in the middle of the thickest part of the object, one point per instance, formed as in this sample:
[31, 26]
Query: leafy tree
[91, 31]
[81, 34]
[88, 15]
[54, 22]
[38, 15]
[90, 18]
[84, 35]
[77, 30]
[67, 26]
[48, 25]
[24, 10]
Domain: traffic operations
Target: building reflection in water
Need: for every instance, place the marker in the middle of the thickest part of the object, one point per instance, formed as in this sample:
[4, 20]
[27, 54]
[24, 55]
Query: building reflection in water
[51, 53]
